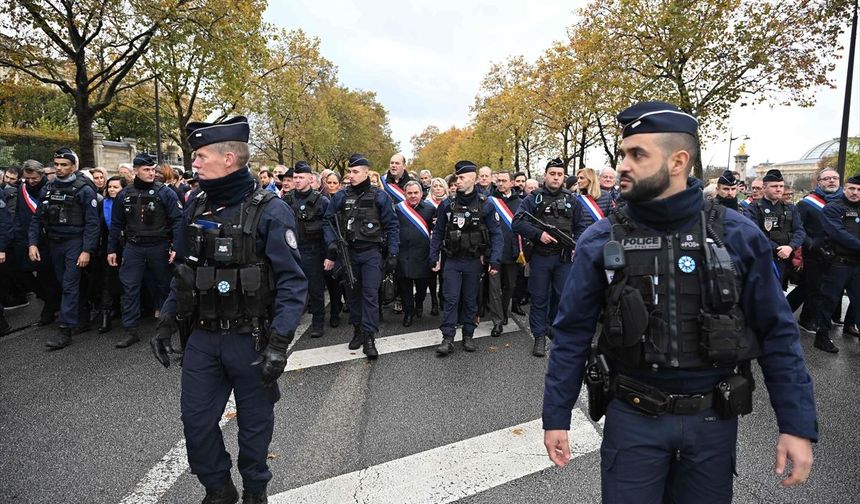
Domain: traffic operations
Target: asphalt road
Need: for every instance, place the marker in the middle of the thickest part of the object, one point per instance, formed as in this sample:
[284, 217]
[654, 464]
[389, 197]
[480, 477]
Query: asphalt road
[88, 424]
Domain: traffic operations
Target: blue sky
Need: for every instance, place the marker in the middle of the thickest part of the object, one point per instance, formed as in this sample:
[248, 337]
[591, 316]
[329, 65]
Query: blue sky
[425, 61]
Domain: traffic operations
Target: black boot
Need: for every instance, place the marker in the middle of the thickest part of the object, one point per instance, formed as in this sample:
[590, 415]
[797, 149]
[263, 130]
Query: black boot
[254, 498]
[446, 347]
[5, 328]
[515, 308]
[434, 307]
[497, 329]
[334, 321]
[357, 338]
[226, 494]
[46, 318]
[539, 350]
[407, 320]
[130, 338]
[59, 339]
[317, 332]
[105, 324]
[419, 311]
[469, 343]
[823, 342]
[370, 346]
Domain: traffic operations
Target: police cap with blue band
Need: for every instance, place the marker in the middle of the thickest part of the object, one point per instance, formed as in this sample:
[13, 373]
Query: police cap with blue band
[358, 160]
[201, 134]
[143, 159]
[464, 167]
[656, 117]
[302, 167]
[67, 154]
[554, 163]
[727, 179]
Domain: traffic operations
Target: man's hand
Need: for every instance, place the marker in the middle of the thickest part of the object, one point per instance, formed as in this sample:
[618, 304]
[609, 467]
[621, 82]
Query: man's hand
[112, 259]
[273, 363]
[557, 446]
[171, 256]
[799, 451]
[328, 265]
[2, 257]
[33, 252]
[545, 238]
[783, 252]
[160, 343]
[494, 268]
[437, 267]
[83, 259]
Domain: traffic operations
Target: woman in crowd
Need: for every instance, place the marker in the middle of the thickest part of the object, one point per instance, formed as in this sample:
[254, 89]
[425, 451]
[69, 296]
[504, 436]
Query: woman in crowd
[111, 290]
[438, 192]
[594, 201]
[165, 174]
[330, 186]
[99, 176]
[374, 179]
[331, 183]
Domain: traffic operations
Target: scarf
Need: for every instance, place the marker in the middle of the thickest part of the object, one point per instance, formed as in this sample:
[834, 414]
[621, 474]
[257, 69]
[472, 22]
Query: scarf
[230, 189]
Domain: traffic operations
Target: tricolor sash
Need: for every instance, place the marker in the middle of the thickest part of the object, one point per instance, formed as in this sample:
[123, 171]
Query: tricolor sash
[591, 205]
[393, 189]
[414, 217]
[815, 201]
[504, 212]
[32, 203]
[432, 202]
[746, 202]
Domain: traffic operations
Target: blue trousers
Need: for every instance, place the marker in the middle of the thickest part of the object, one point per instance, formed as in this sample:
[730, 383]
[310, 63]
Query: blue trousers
[363, 298]
[678, 459]
[213, 365]
[312, 265]
[136, 261]
[836, 279]
[461, 279]
[547, 275]
[64, 256]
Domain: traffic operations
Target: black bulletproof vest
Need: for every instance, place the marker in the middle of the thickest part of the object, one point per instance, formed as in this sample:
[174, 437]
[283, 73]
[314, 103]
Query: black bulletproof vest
[554, 210]
[61, 207]
[361, 216]
[145, 215]
[851, 221]
[775, 222]
[465, 234]
[231, 279]
[310, 225]
[666, 308]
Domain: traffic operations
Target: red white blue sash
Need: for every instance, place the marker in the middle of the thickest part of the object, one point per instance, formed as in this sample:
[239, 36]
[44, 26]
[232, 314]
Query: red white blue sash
[815, 201]
[746, 202]
[589, 204]
[32, 203]
[393, 189]
[432, 201]
[504, 212]
[414, 217]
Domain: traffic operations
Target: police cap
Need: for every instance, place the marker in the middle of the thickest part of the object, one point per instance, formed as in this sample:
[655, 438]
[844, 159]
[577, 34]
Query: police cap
[727, 179]
[772, 176]
[358, 160]
[143, 159]
[464, 167]
[853, 180]
[67, 154]
[302, 167]
[656, 117]
[554, 163]
[201, 134]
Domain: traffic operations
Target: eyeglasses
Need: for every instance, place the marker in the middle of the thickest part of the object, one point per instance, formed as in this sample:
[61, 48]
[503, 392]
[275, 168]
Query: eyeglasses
[756, 188]
[835, 177]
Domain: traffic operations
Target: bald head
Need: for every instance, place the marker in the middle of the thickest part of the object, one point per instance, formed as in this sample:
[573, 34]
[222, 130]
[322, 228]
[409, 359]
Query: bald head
[397, 165]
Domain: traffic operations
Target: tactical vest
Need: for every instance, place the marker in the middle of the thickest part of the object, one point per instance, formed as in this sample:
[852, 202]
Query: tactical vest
[556, 211]
[362, 216]
[851, 221]
[776, 224]
[310, 226]
[61, 206]
[675, 303]
[145, 215]
[465, 234]
[225, 277]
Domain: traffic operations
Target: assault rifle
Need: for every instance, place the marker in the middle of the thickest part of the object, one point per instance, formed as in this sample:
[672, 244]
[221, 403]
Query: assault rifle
[560, 236]
[345, 270]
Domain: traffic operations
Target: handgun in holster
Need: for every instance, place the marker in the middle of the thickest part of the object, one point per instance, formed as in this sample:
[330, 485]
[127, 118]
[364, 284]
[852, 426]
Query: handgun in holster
[597, 382]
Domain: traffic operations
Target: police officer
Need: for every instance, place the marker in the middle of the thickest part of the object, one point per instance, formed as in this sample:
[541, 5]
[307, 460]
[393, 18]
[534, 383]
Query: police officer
[467, 229]
[501, 287]
[667, 347]
[550, 262]
[149, 216]
[69, 216]
[727, 191]
[367, 221]
[415, 216]
[240, 287]
[310, 206]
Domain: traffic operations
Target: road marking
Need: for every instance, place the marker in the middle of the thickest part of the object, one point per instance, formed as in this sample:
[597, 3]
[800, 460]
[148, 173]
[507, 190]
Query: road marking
[450, 472]
[323, 356]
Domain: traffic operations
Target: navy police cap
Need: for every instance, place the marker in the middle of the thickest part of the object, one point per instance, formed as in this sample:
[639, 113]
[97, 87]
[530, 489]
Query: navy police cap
[555, 163]
[201, 134]
[853, 180]
[143, 159]
[358, 160]
[656, 117]
[464, 167]
[67, 154]
[302, 167]
[772, 176]
[728, 179]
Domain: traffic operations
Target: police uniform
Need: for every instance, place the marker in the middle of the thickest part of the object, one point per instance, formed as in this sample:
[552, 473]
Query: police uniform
[368, 223]
[309, 208]
[727, 179]
[148, 215]
[549, 263]
[413, 268]
[467, 229]
[237, 284]
[696, 298]
[841, 224]
[68, 214]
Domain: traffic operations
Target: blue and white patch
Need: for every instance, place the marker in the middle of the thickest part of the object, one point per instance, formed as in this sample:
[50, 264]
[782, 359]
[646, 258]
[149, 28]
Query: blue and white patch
[687, 264]
[223, 287]
[767, 210]
[468, 214]
[94, 203]
[857, 219]
[291, 239]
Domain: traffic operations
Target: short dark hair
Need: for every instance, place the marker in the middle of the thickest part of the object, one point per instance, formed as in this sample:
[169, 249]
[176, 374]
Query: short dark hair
[264, 170]
[505, 172]
[122, 181]
[519, 174]
[673, 142]
[15, 169]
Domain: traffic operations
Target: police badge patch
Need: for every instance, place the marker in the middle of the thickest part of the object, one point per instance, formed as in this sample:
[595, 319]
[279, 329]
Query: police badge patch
[291, 239]
[94, 203]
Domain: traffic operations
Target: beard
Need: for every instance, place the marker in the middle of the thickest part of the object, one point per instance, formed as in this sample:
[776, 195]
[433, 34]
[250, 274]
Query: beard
[648, 188]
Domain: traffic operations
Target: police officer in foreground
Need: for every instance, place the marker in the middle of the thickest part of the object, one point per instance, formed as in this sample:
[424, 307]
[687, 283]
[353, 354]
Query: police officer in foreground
[149, 216]
[841, 224]
[550, 262]
[467, 229]
[69, 217]
[240, 287]
[686, 294]
[309, 207]
[366, 219]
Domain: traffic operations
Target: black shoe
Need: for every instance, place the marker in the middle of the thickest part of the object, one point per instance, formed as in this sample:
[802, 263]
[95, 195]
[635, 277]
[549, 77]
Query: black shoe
[357, 338]
[823, 342]
[446, 347]
[59, 339]
[105, 324]
[370, 346]
[83, 327]
[469, 343]
[45, 319]
[316, 332]
[227, 494]
[334, 321]
[254, 498]
[346, 308]
[850, 330]
[5, 328]
[407, 320]
[837, 321]
[539, 349]
[516, 308]
[807, 325]
[434, 310]
[419, 312]
[130, 339]
[497, 329]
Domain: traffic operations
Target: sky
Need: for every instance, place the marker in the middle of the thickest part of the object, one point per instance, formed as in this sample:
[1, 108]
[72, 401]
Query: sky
[425, 60]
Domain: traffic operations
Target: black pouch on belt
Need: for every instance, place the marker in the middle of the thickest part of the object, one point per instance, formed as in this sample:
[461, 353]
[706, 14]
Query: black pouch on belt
[733, 397]
[228, 300]
[205, 283]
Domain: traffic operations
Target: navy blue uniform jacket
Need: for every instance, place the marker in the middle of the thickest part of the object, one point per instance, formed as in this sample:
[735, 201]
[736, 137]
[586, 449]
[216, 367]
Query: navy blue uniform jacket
[386, 217]
[835, 229]
[488, 216]
[527, 229]
[798, 234]
[86, 197]
[172, 208]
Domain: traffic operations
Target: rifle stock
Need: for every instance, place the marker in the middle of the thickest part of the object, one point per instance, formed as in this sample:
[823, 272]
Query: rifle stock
[347, 275]
[561, 237]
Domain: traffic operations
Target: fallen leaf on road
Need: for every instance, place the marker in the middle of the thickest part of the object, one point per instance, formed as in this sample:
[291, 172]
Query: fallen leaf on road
[230, 415]
[271, 456]
[492, 349]
[507, 345]
[518, 431]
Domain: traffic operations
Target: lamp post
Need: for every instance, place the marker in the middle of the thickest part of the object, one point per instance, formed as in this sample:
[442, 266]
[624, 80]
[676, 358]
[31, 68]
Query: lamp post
[843, 138]
[157, 124]
[732, 139]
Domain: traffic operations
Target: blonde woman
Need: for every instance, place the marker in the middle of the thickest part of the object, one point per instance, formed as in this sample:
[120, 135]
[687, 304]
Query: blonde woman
[438, 192]
[374, 179]
[594, 201]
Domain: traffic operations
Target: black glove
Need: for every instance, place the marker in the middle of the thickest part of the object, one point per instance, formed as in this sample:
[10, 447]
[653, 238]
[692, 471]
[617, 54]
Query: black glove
[331, 251]
[391, 264]
[160, 343]
[273, 358]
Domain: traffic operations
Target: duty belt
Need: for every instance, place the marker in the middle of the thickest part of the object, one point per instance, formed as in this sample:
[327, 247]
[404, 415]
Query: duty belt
[241, 325]
[652, 401]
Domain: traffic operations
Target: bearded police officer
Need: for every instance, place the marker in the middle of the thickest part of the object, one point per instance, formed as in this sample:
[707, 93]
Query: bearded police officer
[241, 288]
[367, 221]
[149, 217]
[550, 261]
[727, 191]
[467, 229]
[413, 269]
[310, 206]
[69, 217]
[686, 294]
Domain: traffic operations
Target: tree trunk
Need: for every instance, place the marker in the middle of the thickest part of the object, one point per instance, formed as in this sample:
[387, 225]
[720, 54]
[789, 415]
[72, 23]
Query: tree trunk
[582, 141]
[86, 152]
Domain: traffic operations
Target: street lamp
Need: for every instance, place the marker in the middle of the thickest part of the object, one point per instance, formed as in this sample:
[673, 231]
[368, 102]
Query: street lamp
[732, 139]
